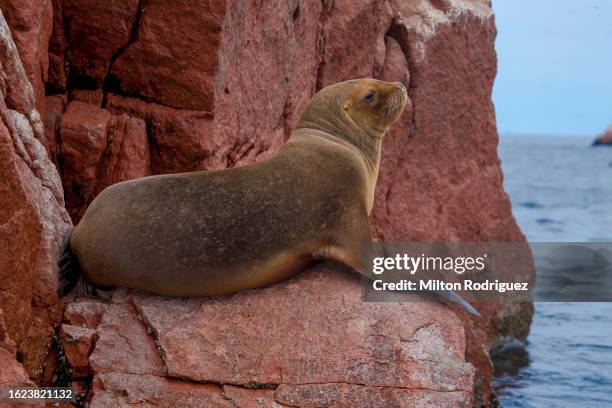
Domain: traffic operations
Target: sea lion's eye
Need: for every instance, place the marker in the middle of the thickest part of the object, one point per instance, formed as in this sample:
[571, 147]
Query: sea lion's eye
[370, 96]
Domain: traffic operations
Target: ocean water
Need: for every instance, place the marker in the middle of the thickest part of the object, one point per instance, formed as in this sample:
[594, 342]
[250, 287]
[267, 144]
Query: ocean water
[561, 191]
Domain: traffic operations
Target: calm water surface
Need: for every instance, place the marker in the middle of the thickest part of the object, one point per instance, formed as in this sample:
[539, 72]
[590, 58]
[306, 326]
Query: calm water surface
[561, 191]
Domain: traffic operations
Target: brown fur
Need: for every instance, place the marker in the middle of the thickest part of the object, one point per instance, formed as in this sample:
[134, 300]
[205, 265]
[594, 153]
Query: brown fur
[216, 232]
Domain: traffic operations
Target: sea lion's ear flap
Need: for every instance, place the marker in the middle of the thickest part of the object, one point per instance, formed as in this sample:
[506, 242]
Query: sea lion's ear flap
[345, 106]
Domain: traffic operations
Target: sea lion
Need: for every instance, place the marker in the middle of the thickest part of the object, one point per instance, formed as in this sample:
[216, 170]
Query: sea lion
[218, 232]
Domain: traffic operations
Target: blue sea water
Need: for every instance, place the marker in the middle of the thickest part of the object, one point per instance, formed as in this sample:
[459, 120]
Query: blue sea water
[561, 191]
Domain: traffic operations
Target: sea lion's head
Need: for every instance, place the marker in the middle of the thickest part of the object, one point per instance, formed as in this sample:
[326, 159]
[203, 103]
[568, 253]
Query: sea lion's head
[375, 104]
[356, 108]
[356, 114]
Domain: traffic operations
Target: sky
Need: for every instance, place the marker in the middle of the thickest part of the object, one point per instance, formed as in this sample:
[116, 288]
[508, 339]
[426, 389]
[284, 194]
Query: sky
[554, 66]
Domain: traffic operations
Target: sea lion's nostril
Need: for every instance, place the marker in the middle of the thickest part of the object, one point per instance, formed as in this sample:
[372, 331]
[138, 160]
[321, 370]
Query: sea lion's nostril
[401, 86]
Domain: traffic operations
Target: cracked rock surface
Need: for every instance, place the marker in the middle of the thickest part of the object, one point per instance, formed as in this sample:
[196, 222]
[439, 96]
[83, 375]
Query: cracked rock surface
[309, 341]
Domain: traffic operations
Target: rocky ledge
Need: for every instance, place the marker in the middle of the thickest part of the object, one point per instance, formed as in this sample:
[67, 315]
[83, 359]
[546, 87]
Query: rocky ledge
[92, 93]
[307, 342]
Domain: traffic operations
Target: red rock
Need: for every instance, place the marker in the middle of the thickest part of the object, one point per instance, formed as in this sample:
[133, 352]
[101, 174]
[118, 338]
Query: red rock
[37, 342]
[81, 389]
[13, 376]
[13, 301]
[440, 178]
[5, 340]
[77, 343]
[313, 329]
[31, 25]
[29, 132]
[92, 96]
[17, 90]
[181, 140]
[32, 216]
[85, 313]
[57, 78]
[127, 157]
[356, 396]
[605, 138]
[354, 53]
[256, 108]
[281, 85]
[55, 107]
[83, 131]
[395, 67]
[124, 345]
[100, 29]
[174, 67]
[250, 398]
[99, 149]
[115, 389]
[310, 340]
[50, 366]
[12, 372]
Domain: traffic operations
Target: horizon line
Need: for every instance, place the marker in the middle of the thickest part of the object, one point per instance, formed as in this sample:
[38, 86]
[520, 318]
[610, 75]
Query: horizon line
[514, 133]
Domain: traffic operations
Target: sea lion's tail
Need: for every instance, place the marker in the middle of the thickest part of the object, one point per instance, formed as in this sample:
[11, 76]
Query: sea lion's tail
[69, 267]
[455, 298]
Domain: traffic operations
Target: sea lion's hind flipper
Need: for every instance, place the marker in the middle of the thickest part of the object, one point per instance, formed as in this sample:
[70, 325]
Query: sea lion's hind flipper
[455, 298]
[69, 267]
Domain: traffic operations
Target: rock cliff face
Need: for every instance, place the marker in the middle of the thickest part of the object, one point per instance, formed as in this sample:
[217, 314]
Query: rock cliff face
[32, 222]
[144, 87]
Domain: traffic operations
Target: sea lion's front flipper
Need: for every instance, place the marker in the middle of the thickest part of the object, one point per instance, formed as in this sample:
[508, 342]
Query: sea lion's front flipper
[346, 252]
[347, 258]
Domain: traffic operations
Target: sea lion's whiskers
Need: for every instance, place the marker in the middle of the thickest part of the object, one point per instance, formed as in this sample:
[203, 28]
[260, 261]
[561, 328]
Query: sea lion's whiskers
[390, 108]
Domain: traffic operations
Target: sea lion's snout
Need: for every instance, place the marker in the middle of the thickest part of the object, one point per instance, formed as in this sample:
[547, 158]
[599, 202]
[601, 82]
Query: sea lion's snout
[394, 105]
